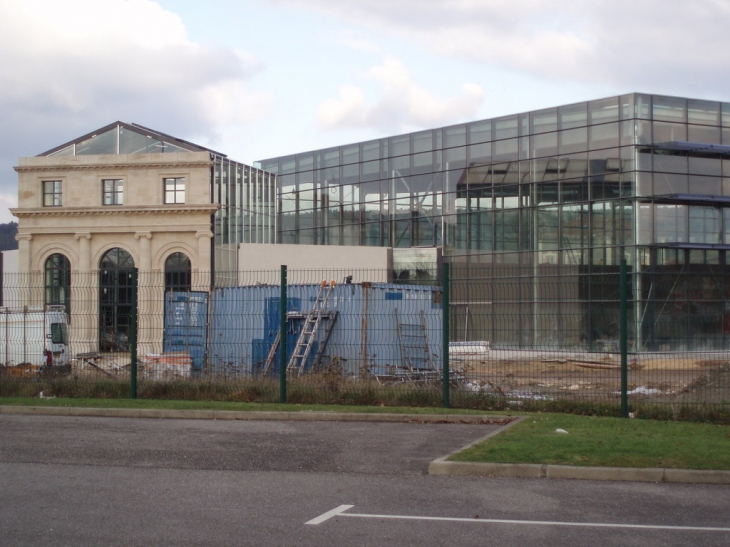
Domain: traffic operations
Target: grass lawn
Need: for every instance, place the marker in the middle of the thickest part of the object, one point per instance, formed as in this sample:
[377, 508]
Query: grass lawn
[612, 442]
[224, 405]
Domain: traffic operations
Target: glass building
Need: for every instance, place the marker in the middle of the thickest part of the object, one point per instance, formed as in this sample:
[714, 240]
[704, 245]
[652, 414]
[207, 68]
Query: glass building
[536, 211]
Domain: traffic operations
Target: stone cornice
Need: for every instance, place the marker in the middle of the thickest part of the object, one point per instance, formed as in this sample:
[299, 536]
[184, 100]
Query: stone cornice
[111, 166]
[209, 208]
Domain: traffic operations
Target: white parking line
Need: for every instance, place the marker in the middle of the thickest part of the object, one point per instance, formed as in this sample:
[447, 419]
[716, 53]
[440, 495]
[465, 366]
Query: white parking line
[329, 514]
[340, 512]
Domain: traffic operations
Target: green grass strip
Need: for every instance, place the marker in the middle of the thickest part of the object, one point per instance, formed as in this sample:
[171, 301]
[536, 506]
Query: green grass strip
[225, 405]
[610, 442]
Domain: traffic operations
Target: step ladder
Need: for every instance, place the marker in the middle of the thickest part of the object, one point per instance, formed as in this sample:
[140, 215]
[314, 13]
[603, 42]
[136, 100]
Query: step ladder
[311, 326]
[416, 359]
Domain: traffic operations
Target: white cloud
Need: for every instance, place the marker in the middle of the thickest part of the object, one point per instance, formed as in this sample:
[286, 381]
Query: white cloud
[402, 104]
[69, 67]
[650, 45]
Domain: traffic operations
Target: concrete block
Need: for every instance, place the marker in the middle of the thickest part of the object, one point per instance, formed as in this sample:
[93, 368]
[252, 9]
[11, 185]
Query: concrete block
[697, 476]
[510, 470]
[605, 473]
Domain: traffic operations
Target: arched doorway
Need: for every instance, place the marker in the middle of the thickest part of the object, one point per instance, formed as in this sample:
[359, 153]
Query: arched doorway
[57, 281]
[177, 272]
[115, 300]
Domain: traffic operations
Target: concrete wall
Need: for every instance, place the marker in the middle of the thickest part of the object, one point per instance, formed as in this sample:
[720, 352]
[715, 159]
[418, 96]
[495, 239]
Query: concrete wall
[313, 263]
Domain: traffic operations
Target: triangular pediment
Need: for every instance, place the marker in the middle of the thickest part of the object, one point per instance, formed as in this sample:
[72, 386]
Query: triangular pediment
[125, 138]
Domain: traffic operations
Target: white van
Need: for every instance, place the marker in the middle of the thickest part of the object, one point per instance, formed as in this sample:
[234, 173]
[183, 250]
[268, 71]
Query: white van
[35, 336]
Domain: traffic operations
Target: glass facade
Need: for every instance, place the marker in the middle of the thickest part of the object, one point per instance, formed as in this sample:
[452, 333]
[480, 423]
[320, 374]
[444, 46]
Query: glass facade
[536, 211]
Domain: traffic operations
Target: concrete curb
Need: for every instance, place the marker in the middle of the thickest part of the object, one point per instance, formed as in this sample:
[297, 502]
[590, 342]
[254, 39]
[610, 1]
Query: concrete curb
[441, 466]
[304, 416]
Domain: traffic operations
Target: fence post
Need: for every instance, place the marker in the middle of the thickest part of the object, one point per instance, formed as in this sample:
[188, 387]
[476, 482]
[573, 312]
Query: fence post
[623, 342]
[133, 337]
[446, 333]
[282, 337]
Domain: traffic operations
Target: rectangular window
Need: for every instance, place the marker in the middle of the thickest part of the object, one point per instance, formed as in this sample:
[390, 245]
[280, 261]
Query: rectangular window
[52, 193]
[175, 190]
[113, 191]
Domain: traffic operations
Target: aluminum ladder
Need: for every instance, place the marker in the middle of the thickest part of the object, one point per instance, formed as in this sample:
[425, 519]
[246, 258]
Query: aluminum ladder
[311, 326]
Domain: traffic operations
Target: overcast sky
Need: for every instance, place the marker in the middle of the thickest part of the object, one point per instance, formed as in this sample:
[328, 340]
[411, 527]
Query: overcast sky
[261, 78]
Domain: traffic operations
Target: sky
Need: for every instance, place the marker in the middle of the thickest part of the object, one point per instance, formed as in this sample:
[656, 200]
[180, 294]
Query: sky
[256, 79]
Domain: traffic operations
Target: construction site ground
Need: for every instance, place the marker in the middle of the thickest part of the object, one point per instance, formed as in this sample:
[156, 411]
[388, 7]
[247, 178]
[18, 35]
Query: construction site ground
[660, 377]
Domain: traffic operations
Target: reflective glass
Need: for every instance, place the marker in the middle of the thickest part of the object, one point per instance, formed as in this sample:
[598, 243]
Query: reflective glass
[506, 150]
[603, 110]
[703, 133]
[707, 186]
[574, 115]
[105, 143]
[479, 153]
[543, 145]
[703, 112]
[670, 223]
[669, 132]
[400, 145]
[543, 121]
[705, 166]
[480, 132]
[667, 163]
[370, 150]
[506, 128]
[350, 154]
[454, 136]
[704, 225]
[603, 136]
[573, 140]
[669, 109]
[422, 142]
[669, 183]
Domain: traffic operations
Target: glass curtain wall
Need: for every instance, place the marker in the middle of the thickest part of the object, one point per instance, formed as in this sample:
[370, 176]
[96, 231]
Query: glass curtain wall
[536, 211]
[247, 214]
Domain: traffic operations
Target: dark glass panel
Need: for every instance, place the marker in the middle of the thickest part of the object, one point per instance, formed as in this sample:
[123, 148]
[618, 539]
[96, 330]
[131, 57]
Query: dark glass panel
[177, 272]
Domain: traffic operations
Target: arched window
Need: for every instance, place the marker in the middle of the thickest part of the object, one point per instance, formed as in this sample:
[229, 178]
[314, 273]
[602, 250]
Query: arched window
[115, 300]
[177, 273]
[58, 281]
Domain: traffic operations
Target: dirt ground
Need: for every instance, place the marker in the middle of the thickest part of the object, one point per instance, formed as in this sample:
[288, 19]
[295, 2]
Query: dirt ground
[675, 377]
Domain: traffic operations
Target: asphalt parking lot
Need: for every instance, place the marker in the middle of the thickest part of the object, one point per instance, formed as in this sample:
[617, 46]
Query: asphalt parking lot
[116, 481]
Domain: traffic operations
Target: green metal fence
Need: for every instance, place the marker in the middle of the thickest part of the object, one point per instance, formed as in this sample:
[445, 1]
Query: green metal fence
[356, 337]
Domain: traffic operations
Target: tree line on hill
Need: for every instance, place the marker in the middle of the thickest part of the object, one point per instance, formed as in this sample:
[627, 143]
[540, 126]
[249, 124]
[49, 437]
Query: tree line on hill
[7, 236]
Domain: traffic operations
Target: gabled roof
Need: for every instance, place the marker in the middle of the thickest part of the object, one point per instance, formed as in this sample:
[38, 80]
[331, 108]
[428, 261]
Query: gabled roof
[125, 138]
